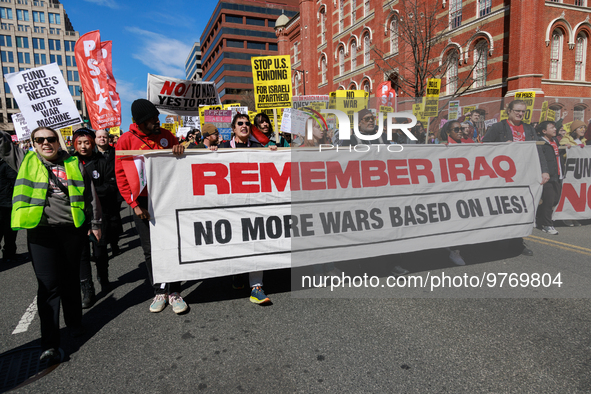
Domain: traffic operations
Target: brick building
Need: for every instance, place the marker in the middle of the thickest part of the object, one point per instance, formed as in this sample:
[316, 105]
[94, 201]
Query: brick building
[238, 30]
[35, 33]
[497, 47]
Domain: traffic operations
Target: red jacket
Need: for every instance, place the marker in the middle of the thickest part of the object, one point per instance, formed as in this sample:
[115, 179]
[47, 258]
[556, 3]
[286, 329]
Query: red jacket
[135, 139]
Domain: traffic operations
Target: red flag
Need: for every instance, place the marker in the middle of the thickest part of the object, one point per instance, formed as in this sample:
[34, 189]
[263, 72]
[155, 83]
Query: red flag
[113, 95]
[103, 112]
[386, 95]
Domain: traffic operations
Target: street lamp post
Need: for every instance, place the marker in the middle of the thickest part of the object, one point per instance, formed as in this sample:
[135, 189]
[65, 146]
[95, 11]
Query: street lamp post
[303, 78]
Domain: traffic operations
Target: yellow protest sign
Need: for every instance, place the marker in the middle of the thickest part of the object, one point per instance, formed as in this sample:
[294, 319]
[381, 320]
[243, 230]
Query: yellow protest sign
[170, 127]
[529, 98]
[551, 115]
[503, 115]
[467, 109]
[432, 102]
[567, 127]
[271, 76]
[349, 101]
[115, 130]
[419, 113]
[544, 112]
[66, 131]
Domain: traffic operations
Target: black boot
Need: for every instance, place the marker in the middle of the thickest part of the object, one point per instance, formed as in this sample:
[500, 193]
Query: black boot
[87, 293]
[103, 277]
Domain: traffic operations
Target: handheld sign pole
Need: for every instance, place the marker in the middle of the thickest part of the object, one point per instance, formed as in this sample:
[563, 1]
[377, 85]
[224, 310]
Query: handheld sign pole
[276, 126]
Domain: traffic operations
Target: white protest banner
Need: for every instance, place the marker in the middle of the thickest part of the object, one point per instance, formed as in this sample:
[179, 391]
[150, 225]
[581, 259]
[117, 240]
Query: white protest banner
[20, 127]
[489, 122]
[43, 97]
[242, 210]
[183, 131]
[453, 110]
[180, 97]
[191, 121]
[294, 121]
[575, 200]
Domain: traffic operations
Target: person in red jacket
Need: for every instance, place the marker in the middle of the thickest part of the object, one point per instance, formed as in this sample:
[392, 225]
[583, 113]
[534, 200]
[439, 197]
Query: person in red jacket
[146, 134]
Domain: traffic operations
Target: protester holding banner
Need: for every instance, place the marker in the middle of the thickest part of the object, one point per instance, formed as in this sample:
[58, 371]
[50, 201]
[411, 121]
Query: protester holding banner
[113, 211]
[55, 200]
[241, 139]
[451, 132]
[211, 137]
[146, 134]
[514, 129]
[103, 178]
[263, 123]
[552, 189]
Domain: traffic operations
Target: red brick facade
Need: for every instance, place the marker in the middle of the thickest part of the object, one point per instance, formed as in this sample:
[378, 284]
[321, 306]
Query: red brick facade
[518, 37]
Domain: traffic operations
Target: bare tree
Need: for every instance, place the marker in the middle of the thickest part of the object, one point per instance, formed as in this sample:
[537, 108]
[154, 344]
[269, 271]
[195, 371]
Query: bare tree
[420, 36]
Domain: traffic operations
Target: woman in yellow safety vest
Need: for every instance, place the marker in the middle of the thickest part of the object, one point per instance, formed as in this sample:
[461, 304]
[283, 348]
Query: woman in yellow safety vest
[55, 201]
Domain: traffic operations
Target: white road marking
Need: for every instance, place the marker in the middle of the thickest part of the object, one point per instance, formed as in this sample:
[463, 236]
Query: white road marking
[27, 319]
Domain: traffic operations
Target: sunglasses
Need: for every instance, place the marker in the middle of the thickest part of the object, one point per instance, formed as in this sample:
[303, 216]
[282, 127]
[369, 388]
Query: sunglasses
[369, 118]
[456, 129]
[243, 123]
[41, 140]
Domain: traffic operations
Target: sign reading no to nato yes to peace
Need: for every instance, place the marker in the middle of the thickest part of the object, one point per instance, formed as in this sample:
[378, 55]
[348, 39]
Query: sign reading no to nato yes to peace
[271, 76]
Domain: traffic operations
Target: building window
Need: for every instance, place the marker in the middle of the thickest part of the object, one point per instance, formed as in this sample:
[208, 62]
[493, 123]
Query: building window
[480, 63]
[556, 55]
[40, 58]
[22, 15]
[341, 60]
[55, 59]
[484, 7]
[54, 18]
[38, 43]
[55, 45]
[366, 86]
[24, 57]
[234, 19]
[455, 13]
[54, 31]
[7, 70]
[38, 16]
[295, 52]
[273, 47]
[341, 15]
[69, 45]
[580, 57]
[38, 29]
[256, 45]
[353, 11]
[353, 55]
[5, 41]
[5, 13]
[297, 84]
[581, 3]
[394, 35]
[323, 25]
[579, 113]
[452, 72]
[366, 8]
[70, 61]
[22, 42]
[7, 56]
[366, 47]
[323, 68]
[255, 21]
[73, 76]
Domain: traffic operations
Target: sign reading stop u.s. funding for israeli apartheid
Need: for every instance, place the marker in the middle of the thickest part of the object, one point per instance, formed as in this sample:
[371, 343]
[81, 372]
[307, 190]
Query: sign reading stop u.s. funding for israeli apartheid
[271, 76]
[243, 210]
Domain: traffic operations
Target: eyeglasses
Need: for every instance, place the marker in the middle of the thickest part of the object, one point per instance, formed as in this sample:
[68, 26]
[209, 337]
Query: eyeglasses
[242, 123]
[41, 140]
[369, 118]
[456, 129]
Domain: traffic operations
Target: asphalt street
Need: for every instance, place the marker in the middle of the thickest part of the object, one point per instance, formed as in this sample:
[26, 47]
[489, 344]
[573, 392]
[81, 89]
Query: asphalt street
[375, 340]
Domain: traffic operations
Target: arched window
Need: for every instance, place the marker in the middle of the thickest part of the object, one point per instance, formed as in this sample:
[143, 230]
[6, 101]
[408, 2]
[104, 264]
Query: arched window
[341, 15]
[323, 24]
[480, 63]
[341, 60]
[353, 55]
[579, 113]
[556, 54]
[580, 57]
[323, 68]
[366, 86]
[353, 11]
[366, 47]
[394, 35]
[452, 72]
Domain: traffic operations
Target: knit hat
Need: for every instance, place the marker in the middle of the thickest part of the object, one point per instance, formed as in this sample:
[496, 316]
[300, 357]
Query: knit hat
[208, 129]
[142, 110]
[576, 124]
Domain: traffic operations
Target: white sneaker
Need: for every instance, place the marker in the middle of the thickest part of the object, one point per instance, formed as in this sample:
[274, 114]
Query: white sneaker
[550, 230]
[159, 303]
[178, 304]
[454, 255]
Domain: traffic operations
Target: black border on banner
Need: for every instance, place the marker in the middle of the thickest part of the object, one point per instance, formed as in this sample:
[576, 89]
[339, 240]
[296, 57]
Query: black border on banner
[177, 211]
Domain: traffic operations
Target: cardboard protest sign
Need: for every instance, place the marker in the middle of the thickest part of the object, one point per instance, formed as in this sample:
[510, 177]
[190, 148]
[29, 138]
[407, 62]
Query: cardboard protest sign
[240, 211]
[115, 130]
[544, 112]
[20, 127]
[467, 109]
[183, 131]
[530, 99]
[170, 127]
[503, 115]
[43, 97]
[432, 97]
[453, 111]
[551, 115]
[294, 121]
[419, 112]
[575, 200]
[191, 121]
[94, 65]
[66, 131]
[271, 76]
[180, 97]
[221, 119]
